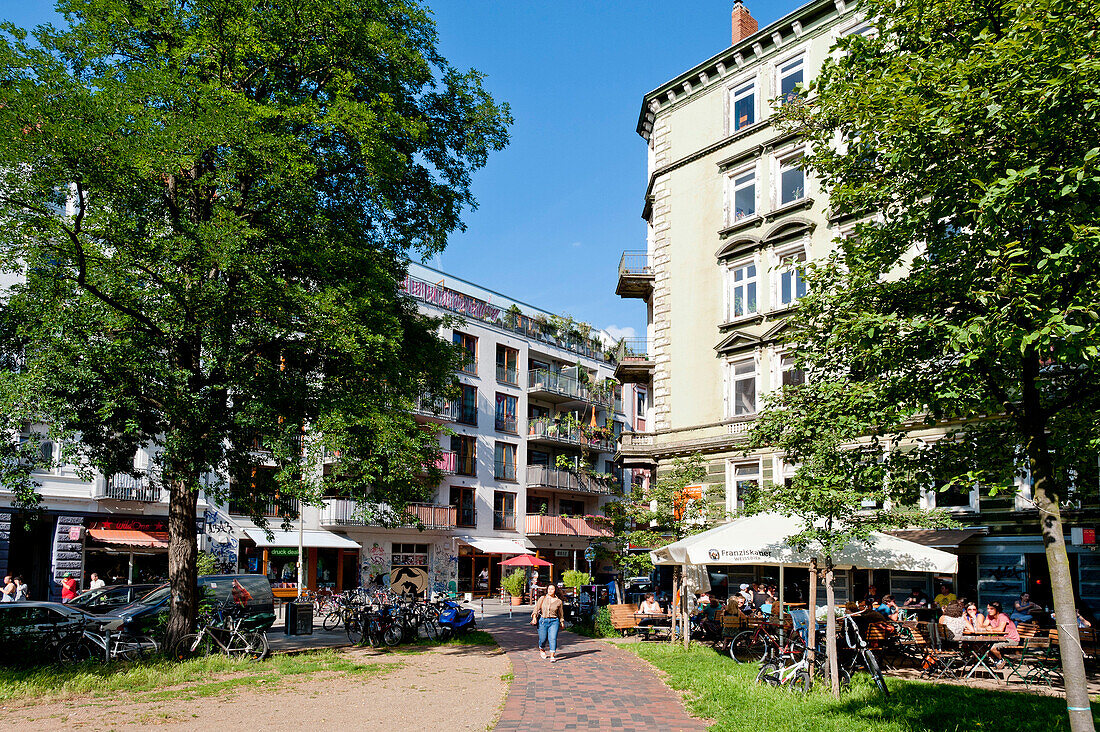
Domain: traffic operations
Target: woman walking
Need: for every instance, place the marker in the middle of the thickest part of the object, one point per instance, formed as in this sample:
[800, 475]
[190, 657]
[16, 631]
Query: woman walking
[549, 616]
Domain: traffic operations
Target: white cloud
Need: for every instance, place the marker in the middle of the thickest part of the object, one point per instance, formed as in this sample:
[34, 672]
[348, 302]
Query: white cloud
[576, 244]
[617, 333]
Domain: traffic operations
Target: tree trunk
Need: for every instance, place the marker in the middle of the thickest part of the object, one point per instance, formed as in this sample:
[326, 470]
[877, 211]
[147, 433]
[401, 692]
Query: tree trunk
[182, 559]
[811, 633]
[830, 628]
[1045, 494]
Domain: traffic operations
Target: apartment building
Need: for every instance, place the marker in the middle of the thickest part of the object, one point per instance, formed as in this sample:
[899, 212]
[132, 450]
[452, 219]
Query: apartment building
[730, 218]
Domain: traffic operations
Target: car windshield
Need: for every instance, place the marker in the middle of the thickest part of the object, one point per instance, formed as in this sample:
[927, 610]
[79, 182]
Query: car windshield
[155, 597]
[85, 597]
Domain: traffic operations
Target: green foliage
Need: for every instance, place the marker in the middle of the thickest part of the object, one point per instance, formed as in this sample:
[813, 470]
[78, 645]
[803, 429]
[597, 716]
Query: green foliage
[575, 579]
[602, 625]
[206, 563]
[514, 583]
[213, 218]
[726, 693]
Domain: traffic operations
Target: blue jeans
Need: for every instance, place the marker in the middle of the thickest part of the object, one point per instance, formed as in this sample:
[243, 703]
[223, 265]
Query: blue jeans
[548, 632]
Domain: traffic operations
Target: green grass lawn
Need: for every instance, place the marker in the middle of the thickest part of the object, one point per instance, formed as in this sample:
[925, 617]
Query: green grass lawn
[196, 677]
[725, 692]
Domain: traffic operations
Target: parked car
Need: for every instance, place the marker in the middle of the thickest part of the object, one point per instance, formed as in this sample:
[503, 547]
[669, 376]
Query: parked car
[105, 599]
[30, 632]
[252, 592]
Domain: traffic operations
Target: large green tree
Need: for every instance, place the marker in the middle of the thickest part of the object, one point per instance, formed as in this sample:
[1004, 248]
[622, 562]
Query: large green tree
[963, 136]
[208, 205]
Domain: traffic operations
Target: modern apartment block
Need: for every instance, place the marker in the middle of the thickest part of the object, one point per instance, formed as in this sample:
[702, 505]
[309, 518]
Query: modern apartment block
[528, 465]
[730, 219]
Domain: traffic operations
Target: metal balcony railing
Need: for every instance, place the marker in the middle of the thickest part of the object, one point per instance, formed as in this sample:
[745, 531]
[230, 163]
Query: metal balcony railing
[635, 263]
[556, 382]
[506, 424]
[504, 521]
[124, 487]
[556, 431]
[633, 350]
[542, 476]
[537, 525]
[446, 462]
[441, 408]
[507, 375]
[349, 512]
[504, 470]
[276, 508]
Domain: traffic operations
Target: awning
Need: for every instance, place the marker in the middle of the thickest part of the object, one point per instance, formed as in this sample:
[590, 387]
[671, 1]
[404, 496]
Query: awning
[495, 546]
[311, 539]
[938, 538]
[130, 537]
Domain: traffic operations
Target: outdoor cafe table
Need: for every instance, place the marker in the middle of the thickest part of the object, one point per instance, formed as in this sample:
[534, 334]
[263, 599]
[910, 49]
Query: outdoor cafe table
[979, 645]
[656, 620]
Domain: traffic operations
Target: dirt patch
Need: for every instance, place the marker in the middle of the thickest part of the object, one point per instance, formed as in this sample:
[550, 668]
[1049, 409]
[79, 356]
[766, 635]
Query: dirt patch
[452, 687]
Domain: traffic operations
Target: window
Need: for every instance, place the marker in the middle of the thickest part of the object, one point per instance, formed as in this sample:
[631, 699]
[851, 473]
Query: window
[640, 409]
[792, 181]
[537, 457]
[468, 344]
[790, 283]
[790, 76]
[742, 290]
[467, 405]
[957, 496]
[409, 555]
[568, 507]
[465, 449]
[743, 387]
[743, 195]
[465, 507]
[505, 460]
[744, 483]
[506, 413]
[536, 411]
[507, 365]
[790, 374]
[504, 511]
[743, 105]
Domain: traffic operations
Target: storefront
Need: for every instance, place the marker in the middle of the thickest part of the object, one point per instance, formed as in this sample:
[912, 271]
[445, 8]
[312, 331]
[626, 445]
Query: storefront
[126, 551]
[331, 560]
[479, 569]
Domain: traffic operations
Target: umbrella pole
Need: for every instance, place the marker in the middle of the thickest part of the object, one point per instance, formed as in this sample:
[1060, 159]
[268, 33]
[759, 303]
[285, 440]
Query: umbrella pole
[781, 595]
[811, 641]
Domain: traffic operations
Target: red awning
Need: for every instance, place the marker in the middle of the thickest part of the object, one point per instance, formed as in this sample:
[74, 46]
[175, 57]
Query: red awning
[130, 537]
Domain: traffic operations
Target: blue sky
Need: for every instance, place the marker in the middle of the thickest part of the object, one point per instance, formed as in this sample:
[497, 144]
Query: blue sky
[562, 202]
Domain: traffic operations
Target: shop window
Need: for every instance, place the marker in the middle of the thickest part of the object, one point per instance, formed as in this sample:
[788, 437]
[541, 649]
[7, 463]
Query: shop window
[504, 511]
[464, 501]
[465, 449]
[468, 345]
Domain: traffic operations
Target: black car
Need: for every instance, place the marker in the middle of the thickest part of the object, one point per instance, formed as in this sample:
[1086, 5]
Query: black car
[105, 599]
[252, 592]
[31, 631]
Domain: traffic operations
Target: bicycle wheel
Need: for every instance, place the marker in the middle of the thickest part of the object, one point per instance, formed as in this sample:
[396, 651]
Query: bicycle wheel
[333, 620]
[876, 672]
[354, 627]
[193, 645]
[802, 682]
[134, 647]
[429, 629]
[768, 675]
[247, 644]
[393, 634]
[76, 650]
[746, 647]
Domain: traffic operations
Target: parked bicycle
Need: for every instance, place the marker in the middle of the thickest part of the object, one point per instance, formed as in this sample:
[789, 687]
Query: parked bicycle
[221, 632]
[104, 645]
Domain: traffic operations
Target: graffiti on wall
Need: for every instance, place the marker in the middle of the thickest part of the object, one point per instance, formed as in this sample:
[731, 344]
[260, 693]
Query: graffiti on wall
[375, 566]
[223, 543]
[443, 569]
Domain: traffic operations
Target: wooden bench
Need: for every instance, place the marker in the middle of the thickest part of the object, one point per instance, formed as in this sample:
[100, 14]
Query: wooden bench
[623, 617]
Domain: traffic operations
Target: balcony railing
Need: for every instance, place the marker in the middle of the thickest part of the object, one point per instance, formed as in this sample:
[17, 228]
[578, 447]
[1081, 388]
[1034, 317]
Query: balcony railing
[271, 509]
[635, 263]
[538, 525]
[632, 350]
[446, 462]
[349, 512]
[504, 471]
[556, 382]
[556, 431]
[506, 424]
[124, 487]
[507, 375]
[440, 408]
[541, 476]
[504, 521]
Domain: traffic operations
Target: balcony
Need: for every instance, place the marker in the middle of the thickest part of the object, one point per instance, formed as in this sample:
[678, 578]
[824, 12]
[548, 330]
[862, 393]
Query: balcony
[506, 423]
[635, 449]
[276, 508]
[557, 433]
[338, 512]
[508, 375]
[504, 470]
[559, 388]
[123, 487]
[439, 411]
[635, 275]
[634, 362]
[446, 462]
[538, 525]
[541, 476]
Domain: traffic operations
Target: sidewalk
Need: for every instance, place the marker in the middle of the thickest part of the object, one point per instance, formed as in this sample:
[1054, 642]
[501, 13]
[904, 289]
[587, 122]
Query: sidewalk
[593, 685]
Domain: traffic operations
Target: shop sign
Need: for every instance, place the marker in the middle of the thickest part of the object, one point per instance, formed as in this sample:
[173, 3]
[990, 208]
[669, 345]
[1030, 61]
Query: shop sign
[283, 551]
[1082, 537]
[131, 525]
[75, 533]
[561, 552]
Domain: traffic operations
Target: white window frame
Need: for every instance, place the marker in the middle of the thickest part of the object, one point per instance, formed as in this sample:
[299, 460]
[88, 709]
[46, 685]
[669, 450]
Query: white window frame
[799, 56]
[738, 91]
[732, 492]
[783, 256]
[782, 164]
[778, 370]
[732, 283]
[731, 385]
[732, 187]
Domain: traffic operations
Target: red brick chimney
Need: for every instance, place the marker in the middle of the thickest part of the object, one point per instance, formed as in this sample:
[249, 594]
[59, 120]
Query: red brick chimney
[744, 25]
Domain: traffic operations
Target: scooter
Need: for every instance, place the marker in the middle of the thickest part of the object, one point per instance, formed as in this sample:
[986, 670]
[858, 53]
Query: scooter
[455, 619]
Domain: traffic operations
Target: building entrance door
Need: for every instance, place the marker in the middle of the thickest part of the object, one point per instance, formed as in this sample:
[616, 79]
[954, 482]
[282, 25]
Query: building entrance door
[30, 551]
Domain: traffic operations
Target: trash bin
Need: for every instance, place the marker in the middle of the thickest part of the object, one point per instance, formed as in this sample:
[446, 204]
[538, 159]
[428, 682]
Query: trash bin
[299, 618]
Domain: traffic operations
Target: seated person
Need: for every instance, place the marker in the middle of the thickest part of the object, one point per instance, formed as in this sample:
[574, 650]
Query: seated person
[1082, 622]
[972, 619]
[889, 608]
[746, 592]
[863, 616]
[946, 596]
[998, 622]
[650, 606]
[872, 594]
[916, 599]
[1024, 610]
[954, 619]
[735, 608]
[762, 599]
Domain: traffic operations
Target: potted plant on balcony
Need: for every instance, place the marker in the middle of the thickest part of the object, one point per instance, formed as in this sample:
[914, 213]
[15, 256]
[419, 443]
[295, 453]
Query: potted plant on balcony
[513, 584]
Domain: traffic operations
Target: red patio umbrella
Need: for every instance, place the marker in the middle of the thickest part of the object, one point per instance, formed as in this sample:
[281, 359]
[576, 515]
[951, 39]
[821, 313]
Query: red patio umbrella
[525, 560]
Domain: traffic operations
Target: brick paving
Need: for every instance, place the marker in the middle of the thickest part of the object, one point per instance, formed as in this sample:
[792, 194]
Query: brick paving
[593, 686]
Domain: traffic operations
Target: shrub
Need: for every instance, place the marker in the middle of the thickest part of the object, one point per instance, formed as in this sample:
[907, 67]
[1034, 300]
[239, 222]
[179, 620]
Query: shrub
[514, 582]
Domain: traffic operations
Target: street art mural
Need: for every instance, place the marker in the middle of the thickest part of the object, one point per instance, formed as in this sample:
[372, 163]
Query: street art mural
[224, 544]
[443, 568]
[375, 567]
